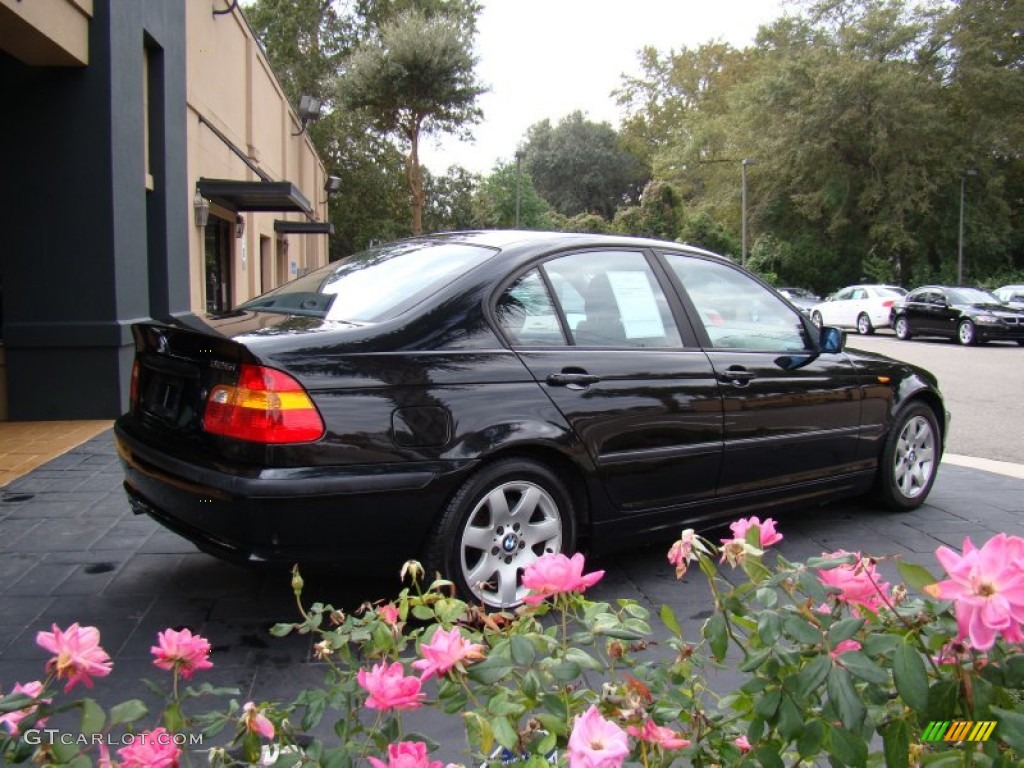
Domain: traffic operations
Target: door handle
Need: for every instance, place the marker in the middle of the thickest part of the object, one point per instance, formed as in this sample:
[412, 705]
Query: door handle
[738, 376]
[572, 379]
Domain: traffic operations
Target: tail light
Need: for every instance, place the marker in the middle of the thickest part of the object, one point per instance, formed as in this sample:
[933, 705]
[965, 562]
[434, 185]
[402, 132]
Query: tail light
[264, 406]
[888, 303]
[133, 396]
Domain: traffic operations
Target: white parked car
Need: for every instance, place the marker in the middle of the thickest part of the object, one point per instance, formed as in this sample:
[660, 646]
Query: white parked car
[1011, 294]
[864, 307]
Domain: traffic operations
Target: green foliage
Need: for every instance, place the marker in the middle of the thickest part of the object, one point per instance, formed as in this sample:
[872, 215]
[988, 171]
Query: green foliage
[415, 78]
[580, 166]
[510, 186]
[820, 679]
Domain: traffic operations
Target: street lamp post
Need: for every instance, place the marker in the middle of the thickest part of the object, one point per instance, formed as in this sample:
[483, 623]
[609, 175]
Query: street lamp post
[743, 203]
[960, 237]
[519, 178]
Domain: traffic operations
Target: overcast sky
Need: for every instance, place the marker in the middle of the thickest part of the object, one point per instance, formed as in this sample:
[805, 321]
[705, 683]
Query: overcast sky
[547, 58]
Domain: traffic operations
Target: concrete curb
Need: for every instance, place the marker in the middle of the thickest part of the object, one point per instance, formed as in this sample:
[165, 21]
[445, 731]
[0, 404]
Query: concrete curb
[1007, 468]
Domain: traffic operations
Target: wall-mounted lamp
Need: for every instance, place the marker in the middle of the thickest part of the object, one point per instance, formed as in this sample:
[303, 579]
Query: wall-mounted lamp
[239, 225]
[309, 109]
[332, 185]
[201, 209]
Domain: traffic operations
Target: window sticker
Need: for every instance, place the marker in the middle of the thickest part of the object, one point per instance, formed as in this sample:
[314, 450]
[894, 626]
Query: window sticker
[638, 306]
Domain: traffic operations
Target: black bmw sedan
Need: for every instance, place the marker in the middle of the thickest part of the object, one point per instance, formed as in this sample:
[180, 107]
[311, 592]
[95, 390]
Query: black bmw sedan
[479, 399]
[969, 315]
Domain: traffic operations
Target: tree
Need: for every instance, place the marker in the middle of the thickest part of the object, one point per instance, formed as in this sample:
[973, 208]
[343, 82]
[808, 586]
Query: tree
[415, 78]
[498, 195]
[450, 201]
[580, 166]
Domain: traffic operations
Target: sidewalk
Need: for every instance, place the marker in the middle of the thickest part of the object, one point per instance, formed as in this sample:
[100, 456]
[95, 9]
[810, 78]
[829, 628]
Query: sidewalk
[25, 445]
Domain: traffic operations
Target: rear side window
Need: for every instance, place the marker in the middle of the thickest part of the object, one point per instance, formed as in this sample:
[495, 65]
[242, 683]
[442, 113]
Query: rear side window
[374, 285]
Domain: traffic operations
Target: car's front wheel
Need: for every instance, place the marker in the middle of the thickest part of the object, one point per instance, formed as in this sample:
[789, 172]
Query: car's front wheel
[864, 326]
[902, 328]
[910, 458]
[502, 519]
[966, 333]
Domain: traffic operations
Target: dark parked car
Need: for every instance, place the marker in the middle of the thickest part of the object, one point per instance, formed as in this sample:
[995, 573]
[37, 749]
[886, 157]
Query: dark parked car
[969, 315]
[479, 399]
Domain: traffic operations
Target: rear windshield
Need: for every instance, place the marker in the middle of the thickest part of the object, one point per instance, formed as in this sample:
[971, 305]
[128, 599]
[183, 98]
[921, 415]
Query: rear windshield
[374, 285]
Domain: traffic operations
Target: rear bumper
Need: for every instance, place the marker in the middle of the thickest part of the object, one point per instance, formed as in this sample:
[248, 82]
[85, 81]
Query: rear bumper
[333, 515]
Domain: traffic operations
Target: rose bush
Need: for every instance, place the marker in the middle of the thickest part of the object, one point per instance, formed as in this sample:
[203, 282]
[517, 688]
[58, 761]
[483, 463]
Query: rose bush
[834, 665]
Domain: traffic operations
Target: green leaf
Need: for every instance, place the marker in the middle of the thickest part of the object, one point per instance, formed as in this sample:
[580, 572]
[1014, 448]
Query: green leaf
[859, 665]
[791, 721]
[715, 630]
[768, 703]
[584, 659]
[500, 704]
[848, 749]
[93, 717]
[910, 676]
[566, 671]
[479, 732]
[668, 618]
[896, 744]
[523, 652]
[943, 698]
[845, 698]
[915, 576]
[1010, 728]
[490, 670]
[769, 627]
[810, 740]
[127, 712]
[812, 676]
[768, 757]
[812, 586]
[844, 630]
[755, 660]
[173, 721]
[505, 733]
[802, 631]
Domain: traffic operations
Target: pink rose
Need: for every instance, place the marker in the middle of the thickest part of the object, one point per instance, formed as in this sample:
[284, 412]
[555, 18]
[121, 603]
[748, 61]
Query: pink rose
[389, 688]
[658, 735]
[150, 749]
[256, 722]
[743, 743]
[388, 613]
[686, 550]
[79, 656]
[406, 754]
[596, 742]
[554, 574]
[445, 650]
[858, 583]
[13, 719]
[987, 587]
[769, 535]
[841, 648]
[181, 651]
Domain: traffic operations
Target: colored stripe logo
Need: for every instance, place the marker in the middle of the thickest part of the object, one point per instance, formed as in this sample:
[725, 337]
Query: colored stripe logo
[958, 730]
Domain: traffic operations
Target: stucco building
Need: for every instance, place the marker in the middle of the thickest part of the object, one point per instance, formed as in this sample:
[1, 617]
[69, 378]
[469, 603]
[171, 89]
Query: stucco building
[150, 167]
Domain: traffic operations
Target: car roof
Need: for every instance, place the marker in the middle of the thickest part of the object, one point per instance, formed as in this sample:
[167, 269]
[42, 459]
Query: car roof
[507, 238]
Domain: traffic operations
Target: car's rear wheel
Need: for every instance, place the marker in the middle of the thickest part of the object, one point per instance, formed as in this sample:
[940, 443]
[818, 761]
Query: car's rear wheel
[910, 458]
[864, 326]
[816, 319]
[502, 519]
[966, 333]
[902, 328]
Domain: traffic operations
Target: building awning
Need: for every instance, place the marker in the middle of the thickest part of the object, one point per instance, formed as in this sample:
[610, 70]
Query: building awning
[284, 227]
[254, 195]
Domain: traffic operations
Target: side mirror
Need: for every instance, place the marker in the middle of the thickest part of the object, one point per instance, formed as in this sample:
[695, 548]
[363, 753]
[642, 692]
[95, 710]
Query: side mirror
[831, 340]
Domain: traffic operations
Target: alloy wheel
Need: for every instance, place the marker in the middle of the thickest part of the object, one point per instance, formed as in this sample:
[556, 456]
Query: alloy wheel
[509, 528]
[915, 457]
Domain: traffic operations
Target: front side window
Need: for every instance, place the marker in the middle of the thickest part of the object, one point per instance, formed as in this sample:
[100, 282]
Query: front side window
[737, 311]
[526, 314]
